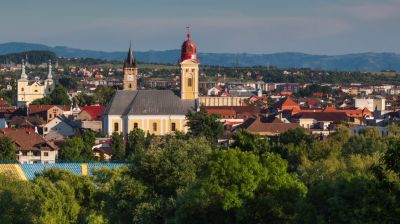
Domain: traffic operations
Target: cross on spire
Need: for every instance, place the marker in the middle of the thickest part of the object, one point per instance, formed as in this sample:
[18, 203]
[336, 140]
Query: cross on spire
[188, 32]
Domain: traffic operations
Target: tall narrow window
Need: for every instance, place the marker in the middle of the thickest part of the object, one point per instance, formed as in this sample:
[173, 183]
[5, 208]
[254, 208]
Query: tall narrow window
[190, 82]
[154, 127]
[135, 125]
[116, 127]
[173, 126]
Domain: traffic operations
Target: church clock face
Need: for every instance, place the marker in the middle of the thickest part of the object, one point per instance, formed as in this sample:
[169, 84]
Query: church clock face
[130, 77]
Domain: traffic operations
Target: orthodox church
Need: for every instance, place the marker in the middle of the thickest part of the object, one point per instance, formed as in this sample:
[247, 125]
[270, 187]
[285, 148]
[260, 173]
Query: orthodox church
[157, 112]
[30, 90]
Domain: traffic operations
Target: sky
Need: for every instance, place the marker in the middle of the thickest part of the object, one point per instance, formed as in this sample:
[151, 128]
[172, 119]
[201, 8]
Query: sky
[231, 26]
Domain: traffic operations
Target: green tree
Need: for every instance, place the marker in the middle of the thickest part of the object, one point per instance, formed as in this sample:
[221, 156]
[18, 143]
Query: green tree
[7, 150]
[89, 139]
[351, 198]
[78, 148]
[246, 141]
[135, 142]
[68, 83]
[57, 202]
[121, 194]
[202, 124]
[239, 187]
[84, 189]
[59, 96]
[118, 147]
[17, 201]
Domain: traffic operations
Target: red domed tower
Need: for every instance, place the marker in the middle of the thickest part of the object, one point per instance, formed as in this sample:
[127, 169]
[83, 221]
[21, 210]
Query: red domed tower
[189, 65]
[188, 50]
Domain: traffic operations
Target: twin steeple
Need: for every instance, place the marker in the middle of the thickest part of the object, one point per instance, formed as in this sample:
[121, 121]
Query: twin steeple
[24, 76]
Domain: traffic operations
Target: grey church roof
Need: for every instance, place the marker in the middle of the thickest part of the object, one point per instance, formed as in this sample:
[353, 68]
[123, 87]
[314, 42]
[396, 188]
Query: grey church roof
[148, 102]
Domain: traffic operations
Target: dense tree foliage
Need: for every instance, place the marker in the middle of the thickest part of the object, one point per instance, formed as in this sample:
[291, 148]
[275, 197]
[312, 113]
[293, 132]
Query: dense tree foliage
[7, 150]
[201, 124]
[34, 57]
[78, 148]
[183, 178]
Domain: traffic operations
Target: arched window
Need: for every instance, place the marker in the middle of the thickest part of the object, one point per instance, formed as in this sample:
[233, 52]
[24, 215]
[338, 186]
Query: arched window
[116, 127]
[130, 86]
[190, 82]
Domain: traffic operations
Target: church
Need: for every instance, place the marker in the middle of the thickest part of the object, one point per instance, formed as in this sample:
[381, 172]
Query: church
[157, 112]
[30, 90]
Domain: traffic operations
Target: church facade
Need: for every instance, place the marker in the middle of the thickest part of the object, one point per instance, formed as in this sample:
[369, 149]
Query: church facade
[30, 90]
[158, 112]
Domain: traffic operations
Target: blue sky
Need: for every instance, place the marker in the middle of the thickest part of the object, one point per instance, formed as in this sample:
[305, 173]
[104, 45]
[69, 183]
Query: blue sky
[251, 26]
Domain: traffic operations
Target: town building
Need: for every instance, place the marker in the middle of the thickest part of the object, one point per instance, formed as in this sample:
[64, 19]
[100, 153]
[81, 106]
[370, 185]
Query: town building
[31, 147]
[157, 112]
[30, 90]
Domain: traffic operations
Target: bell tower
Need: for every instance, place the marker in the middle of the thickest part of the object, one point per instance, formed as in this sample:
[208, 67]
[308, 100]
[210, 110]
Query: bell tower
[189, 65]
[130, 72]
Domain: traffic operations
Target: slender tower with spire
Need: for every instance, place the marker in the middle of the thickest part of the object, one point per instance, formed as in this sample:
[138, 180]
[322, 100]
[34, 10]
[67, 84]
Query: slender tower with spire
[23, 72]
[130, 71]
[49, 81]
[189, 65]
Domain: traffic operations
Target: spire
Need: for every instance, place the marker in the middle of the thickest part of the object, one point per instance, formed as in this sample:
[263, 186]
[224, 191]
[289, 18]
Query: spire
[23, 74]
[49, 75]
[130, 61]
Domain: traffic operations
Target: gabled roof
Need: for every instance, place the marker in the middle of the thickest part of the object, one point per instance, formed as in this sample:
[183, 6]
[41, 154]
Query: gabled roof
[322, 116]
[93, 111]
[148, 102]
[33, 109]
[286, 104]
[26, 139]
[261, 125]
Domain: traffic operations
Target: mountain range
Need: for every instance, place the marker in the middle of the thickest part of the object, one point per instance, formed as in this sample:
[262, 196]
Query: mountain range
[347, 62]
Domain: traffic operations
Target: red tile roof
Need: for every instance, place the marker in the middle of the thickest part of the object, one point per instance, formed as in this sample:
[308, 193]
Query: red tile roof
[233, 111]
[33, 109]
[26, 138]
[287, 104]
[93, 111]
[260, 125]
[322, 116]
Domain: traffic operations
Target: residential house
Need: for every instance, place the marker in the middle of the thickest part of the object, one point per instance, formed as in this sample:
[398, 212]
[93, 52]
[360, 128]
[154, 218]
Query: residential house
[48, 112]
[90, 117]
[319, 120]
[59, 128]
[267, 127]
[31, 147]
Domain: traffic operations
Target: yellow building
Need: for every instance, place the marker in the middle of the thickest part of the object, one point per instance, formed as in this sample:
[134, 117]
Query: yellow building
[157, 112]
[30, 90]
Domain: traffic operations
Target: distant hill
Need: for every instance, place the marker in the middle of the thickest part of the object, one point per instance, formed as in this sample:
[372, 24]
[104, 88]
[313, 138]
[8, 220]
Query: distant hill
[33, 57]
[348, 62]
